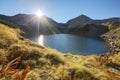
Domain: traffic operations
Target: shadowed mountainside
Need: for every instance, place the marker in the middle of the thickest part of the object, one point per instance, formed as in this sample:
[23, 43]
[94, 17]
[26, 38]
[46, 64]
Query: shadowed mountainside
[89, 30]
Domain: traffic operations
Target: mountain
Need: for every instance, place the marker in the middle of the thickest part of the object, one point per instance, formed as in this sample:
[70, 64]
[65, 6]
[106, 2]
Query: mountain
[80, 20]
[31, 25]
[83, 20]
[87, 26]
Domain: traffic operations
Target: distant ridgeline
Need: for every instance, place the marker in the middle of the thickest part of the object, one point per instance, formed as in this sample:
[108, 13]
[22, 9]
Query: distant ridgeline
[80, 25]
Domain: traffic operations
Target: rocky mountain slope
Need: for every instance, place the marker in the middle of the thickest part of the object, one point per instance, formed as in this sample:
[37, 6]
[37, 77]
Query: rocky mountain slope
[22, 59]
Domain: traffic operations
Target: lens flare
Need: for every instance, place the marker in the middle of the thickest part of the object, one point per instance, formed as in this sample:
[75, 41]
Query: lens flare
[39, 13]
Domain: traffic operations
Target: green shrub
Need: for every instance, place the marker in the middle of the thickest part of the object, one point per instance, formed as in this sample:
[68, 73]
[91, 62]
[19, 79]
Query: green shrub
[55, 59]
[43, 62]
[80, 74]
[8, 23]
[84, 75]
[32, 63]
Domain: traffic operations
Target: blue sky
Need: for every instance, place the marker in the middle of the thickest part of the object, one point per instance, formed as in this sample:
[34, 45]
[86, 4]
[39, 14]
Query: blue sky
[63, 10]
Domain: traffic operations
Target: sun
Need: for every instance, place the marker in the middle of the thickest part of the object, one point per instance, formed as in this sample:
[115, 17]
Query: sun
[39, 13]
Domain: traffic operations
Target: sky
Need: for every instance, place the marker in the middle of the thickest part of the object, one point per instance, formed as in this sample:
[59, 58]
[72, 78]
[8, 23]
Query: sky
[63, 10]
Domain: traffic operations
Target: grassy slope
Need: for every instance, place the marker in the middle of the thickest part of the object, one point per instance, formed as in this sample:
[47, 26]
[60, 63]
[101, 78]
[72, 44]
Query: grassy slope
[48, 64]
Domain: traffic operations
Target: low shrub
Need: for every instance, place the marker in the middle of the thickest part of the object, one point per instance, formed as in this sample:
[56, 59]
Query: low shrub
[31, 63]
[2, 56]
[55, 59]
[26, 52]
[43, 62]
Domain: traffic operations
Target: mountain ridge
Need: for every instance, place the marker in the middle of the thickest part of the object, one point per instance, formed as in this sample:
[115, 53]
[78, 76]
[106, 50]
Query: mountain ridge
[92, 21]
[80, 16]
[28, 23]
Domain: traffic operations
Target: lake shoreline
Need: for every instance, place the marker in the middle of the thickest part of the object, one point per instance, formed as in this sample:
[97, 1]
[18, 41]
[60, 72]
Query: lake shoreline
[75, 44]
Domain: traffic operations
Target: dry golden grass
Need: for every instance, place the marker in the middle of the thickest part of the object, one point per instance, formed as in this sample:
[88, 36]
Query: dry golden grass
[8, 33]
[49, 64]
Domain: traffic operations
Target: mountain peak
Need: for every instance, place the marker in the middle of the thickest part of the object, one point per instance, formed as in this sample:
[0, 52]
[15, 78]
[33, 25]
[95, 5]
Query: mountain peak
[80, 20]
[82, 16]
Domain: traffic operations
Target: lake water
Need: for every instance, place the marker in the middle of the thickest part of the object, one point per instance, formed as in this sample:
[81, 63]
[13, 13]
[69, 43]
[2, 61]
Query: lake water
[73, 43]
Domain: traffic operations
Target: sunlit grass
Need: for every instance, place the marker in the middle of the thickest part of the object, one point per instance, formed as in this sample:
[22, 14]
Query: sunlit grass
[49, 64]
[8, 33]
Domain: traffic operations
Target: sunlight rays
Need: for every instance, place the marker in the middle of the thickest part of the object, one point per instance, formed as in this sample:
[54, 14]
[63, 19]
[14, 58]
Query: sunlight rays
[40, 24]
[39, 14]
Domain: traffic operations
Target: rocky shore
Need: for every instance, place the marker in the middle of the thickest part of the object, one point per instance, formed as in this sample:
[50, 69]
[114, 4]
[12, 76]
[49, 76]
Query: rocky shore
[113, 40]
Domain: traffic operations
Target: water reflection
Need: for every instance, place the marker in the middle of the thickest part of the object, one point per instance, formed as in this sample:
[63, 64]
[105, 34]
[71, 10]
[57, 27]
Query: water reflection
[41, 40]
[73, 43]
